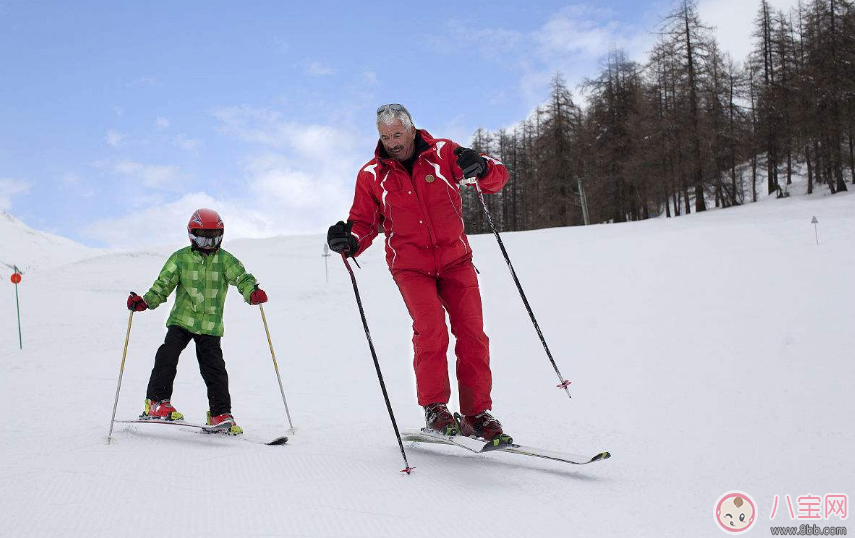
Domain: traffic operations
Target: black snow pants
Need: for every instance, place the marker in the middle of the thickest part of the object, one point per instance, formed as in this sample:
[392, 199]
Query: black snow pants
[211, 365]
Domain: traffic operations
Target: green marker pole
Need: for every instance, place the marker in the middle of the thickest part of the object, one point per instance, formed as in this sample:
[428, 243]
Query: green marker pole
[18, 306]
[16, 278]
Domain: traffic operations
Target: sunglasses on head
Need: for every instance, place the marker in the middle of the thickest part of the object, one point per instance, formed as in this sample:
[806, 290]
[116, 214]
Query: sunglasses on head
[394, 107]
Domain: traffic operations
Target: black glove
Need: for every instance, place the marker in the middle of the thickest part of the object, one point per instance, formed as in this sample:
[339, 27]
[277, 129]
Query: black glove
[341, 240]
[470, 162]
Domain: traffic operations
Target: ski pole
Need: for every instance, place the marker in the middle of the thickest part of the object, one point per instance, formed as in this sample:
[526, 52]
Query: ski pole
[121, 371]
[407, 469]
[276, 367]
[563, 383]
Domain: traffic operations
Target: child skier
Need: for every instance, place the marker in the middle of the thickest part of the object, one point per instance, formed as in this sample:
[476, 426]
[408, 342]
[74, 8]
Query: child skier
[202, 272]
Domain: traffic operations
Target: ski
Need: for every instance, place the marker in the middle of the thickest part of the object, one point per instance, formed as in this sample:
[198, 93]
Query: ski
[575, 459]
[242, 437]
[480, 446]
[204, 428]
[425, 436]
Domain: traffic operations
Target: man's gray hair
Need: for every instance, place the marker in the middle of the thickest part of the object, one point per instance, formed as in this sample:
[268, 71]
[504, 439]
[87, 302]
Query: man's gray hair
[389, 114]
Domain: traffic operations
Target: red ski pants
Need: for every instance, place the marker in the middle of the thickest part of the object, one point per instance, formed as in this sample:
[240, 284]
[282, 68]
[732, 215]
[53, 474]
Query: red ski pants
[428, 298]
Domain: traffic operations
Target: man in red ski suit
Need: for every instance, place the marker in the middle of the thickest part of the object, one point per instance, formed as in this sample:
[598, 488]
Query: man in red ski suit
[410, 189]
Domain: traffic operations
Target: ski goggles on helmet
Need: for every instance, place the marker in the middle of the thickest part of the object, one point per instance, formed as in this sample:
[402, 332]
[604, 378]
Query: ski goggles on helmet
[207, 239]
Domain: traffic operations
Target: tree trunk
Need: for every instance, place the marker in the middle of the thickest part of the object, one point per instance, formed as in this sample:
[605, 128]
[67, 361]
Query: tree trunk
[836, 139]
[819, 168]
[686, 199]
[754, 178]
[789, 166]
[810, 169]
[700, 203]
[851, 156]
[718, 193]
[732, 134]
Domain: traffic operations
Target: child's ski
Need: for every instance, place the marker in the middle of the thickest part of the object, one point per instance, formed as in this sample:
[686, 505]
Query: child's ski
[242, 437]
[204, 427]
[221, 429]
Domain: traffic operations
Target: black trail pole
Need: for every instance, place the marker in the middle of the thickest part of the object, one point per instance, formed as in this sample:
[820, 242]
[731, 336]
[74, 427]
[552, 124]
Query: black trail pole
[564, 384]
[407, 469]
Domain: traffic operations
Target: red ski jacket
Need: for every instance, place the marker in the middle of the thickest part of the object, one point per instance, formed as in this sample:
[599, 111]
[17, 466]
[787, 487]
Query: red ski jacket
[422, 215]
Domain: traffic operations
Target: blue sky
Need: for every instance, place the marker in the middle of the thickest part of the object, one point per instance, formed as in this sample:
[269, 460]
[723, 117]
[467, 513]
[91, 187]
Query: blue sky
[117, 119]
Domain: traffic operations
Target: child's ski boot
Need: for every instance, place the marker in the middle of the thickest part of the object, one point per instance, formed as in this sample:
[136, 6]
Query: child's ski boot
[225, 422]
[161, 410]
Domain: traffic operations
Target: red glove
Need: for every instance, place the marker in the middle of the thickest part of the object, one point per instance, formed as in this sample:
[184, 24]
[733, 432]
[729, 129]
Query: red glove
[136, 303]
[258, 296]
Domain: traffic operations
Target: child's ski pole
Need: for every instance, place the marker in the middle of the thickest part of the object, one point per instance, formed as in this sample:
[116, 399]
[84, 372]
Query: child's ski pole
[276, 367]
[121, 371]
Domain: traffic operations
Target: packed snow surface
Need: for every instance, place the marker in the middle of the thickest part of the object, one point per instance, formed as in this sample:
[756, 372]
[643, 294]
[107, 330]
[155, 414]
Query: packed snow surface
[708, 353]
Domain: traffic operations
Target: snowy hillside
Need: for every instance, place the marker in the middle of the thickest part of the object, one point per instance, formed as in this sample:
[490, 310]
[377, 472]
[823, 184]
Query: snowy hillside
[708, 353]
[30, 249]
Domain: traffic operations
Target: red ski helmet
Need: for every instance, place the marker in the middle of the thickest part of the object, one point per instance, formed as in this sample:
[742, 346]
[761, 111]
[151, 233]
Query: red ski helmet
[206, 229]
[205, 219]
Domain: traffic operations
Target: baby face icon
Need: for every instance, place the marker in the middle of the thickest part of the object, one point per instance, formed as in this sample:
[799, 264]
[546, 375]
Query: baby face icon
[734, 512]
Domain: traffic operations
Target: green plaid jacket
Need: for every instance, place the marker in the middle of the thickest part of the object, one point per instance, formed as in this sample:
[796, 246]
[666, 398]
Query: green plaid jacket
[202, 283]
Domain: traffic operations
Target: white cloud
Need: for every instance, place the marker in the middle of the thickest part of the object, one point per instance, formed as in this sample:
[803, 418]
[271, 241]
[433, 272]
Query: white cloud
[281, 201]
[162, 123]
[582, 34]
[268, 128]
[165, 224]
[10, 187]
[534, 85]
[114, 138]
[317, 69]
[250, 124]
[574, 30]
[572, 41]
[310, 174]
[734, 22]
[186, 143]
[294, 181]
[275, 179]
[298, 178]
[150, 175]
[287, 184]
[456, 129]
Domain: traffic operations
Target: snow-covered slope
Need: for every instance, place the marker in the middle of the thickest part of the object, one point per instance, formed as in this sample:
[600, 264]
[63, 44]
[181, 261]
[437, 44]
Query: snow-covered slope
[708, 353]
[29, 249]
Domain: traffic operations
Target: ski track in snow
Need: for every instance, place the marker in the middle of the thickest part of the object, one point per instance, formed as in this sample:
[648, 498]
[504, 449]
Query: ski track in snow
[708, 353]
